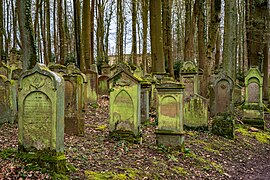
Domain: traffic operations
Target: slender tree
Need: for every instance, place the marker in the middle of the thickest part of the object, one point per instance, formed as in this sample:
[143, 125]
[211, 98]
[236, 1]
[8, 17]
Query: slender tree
[1, 31]
[158, 63]
[167, 34]
[26, 32]
[145, 9]
[86, 40]
[134, 32]
[229, 47]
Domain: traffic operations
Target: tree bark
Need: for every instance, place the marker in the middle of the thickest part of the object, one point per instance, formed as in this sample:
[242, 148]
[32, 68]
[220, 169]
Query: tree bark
[157, 54]
[229, 47]
[134, 33]
[26, 32]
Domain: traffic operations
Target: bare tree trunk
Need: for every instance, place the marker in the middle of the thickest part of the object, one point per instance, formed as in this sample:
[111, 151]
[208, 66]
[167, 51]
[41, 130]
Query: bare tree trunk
[1, 31]
[92, 32]
[26, 31]
[61, 31]
[167, 35]
[134, 33]
[229, 48]
[145, 4]
[158, 63]
[48, 29]
[86, 40]
[77, 22]
[55, 35]
[120, 31]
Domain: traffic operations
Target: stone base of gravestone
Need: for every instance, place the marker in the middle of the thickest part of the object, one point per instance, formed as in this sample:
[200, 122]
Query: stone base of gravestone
[170, 138]
[254, 116]
[196, 113]
[47, 159]
[223, 126]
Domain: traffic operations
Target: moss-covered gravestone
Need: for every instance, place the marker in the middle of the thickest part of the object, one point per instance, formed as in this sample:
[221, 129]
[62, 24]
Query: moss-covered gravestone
[4, 70]
[41, 115]
[92, 84]
[61, 69]
[74, 94]
[14, 59]
[170, 114]
[103, 87]
[221, 106]
[196, 112]
[189, 77]
[7, 106]
[253, 107]
[125, 118]
[196, 106]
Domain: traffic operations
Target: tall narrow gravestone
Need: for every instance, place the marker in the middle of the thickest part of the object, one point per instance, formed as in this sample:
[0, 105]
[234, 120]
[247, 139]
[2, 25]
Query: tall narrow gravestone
[125, 119]
[196, 106]
[41, 114]
[253, 106]
[221, 106]
[7, 111]
[92, 84]
[170, 114]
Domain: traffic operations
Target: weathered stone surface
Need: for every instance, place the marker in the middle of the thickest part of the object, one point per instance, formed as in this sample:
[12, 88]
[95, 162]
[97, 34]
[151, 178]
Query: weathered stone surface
[221, 105]
[4, 69]
[253, 110]
[196, 112]
[103, 87]
[170, 113]
[14, 59]
[92, 86]
[125, 103]
[74, 122]
[61, 69]
[7, 111]
[221, 95]
[145, 100]
[41, 110]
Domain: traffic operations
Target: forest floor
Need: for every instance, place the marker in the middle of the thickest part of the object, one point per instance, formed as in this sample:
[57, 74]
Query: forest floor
[96, 156]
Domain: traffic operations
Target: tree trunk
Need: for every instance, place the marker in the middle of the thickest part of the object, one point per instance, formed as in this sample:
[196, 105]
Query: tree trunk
[1, 31]
[120, 31]
[61, 31]
[77, 22]
[134, 33]
[26, 32]
[229, 47]
[167, 35]
[158, 63]
[86, 40]
[212, 36]
[145, 5]
[48, 29]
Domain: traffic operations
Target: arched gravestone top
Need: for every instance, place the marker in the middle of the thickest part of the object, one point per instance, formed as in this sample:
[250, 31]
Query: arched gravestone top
[189, 67]
[253, 75]
[221, 98]
[58, 68]
[253, 84]
[42, 69]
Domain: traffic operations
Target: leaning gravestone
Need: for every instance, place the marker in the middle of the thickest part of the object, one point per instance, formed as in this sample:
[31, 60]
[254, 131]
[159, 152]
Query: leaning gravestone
[92, 84]
[125, 119]
[74, 122]
[170, 113]
[253, 107]
[221, 106]
[7, 108]
[41, 115]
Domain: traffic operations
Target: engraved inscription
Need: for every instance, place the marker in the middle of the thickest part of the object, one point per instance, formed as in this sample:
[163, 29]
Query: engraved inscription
[253, 93]
[189, 87]
[37, 120]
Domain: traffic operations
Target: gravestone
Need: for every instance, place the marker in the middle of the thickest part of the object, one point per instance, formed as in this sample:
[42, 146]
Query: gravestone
[221, 105]
[14, 59]
[41, 115]
[253, 107]
[4, 70]
[105, 69]
[170, 113]
[125, 118]
[103, 87]
[61, 69]
[74, 122]
[196, 112]
[92, 84]
[145, 100]
[7, 111]
[189, 77]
